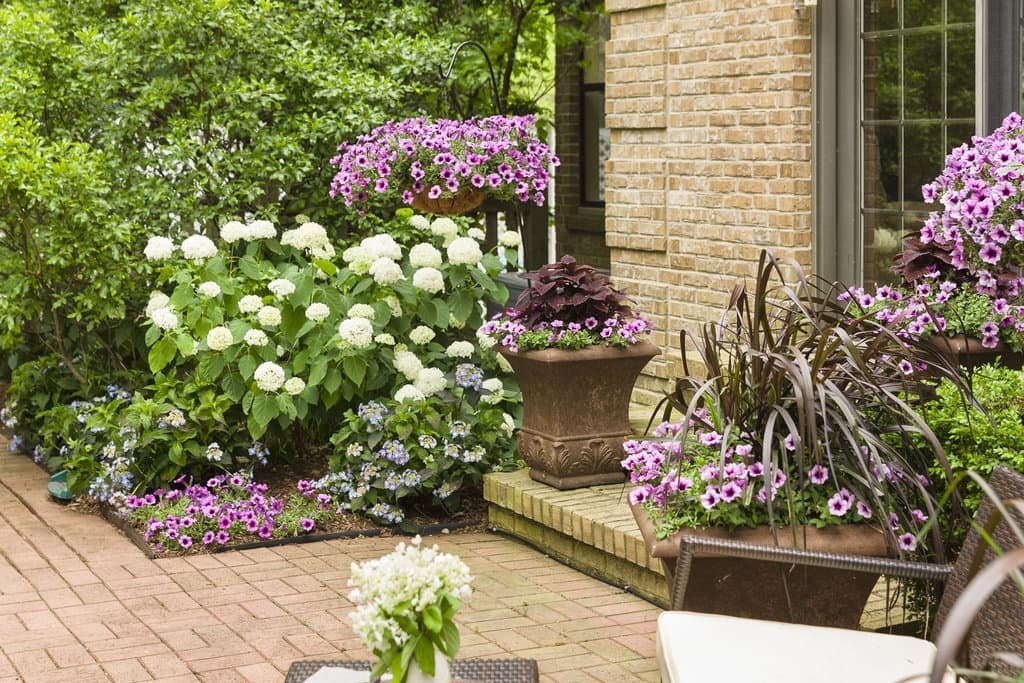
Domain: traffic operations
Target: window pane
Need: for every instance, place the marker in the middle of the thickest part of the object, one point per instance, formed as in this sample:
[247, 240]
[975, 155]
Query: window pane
[883, 239]
[881, 166]
[881, 15]
[960, 74]
[924, 153]
[920, 12]
[882, 78]
[922, 75]
[959, 11]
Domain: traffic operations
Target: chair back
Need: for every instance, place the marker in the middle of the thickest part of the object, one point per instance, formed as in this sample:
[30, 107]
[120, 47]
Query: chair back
[999, 624]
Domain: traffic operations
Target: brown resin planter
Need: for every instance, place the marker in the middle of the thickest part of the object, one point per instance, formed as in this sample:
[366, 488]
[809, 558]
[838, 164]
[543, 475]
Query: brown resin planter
[576, 411]
[968, 352]
[758, 590]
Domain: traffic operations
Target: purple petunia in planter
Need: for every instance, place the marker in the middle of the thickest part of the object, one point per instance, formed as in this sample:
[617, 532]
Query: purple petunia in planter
[961, 272]
[441, 159]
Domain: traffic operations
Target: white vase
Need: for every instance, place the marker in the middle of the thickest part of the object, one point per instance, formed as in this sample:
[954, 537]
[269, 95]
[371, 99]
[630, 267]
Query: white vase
[442, 671]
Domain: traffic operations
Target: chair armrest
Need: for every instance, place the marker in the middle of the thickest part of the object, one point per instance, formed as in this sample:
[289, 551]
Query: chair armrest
[691, 546]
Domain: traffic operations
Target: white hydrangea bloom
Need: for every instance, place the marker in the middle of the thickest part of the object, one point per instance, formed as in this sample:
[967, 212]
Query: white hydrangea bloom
[158, 249]
[384, 339]
[503, 363]
[156, 300]
[419, 222]
[359, 259]
[477, 234]
[386, 272]
[510, 239]
[256, 337]
[508, 424]
[281, 287]
[421, 335]
[164, 318]
[318, 312]
[425, 255]
[198, 248]
[460, 349]
[294, 386]
[233, 231]
[356, 332]
[209, 289]
[219, 338]
[431, 381]
[362, 311]
[259, 230]
[408, 393]
[445, 227]
[382, 246]
[269, 316]
[394, 305]
[484, 340]
[428, 279]
[409, 364]
[250, 303]
[269, 376]
[464, 251]
[494, 389]
[306, 237]
[325, 252]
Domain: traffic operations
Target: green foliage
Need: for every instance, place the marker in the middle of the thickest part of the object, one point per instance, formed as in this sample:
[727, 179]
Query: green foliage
[977, 437]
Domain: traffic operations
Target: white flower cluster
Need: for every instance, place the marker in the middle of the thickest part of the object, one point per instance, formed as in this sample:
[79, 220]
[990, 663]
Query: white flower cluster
[425, 255]
[358, 259]
[408, 393]
[158, 249]
[310, 237]
[256, 337]
[460, 349]
[494, 389]
[464, 251]
[477, 234]
[209, 289]
[356, 332]
[317, 312]
[510, 239]
[294, 386]
[431, 381]
[164, 317]
[269, 316]
[198, 248]
[386, 272]
[421, 334]
[429, 279]
[409, 364]
[156, 300]
[250, 303]
[419, 222]
[269, 376]
[233, 231]
[445, 227]
[382, 246]
[281, 287]
[402, 585]
[362, 311]
[219, 338]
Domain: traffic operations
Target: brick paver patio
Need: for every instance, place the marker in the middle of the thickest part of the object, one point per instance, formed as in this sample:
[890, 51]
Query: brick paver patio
[80, 602]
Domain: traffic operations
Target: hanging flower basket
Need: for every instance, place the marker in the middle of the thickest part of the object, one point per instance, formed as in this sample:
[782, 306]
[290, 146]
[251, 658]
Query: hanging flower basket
[464, 201]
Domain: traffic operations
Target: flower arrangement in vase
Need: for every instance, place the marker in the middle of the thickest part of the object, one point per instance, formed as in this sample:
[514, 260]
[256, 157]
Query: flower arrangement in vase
[406, 605]
[445, 166]
[576, 348]
[961, 272]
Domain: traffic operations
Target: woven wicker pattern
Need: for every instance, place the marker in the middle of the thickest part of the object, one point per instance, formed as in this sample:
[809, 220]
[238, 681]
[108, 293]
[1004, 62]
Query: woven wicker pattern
[999, 624]
[464, 670]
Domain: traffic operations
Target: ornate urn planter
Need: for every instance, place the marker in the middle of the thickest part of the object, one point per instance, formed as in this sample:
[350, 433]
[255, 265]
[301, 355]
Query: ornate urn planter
[768, 590]
[576, 411]
[968, 352]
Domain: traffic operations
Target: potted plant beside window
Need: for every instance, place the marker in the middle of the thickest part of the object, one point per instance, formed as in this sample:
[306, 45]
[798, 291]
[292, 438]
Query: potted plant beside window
[801, 432]
[577, 349]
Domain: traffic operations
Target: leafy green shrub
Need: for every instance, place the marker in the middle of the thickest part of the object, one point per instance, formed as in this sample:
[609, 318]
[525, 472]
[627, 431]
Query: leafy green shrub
[977, 440]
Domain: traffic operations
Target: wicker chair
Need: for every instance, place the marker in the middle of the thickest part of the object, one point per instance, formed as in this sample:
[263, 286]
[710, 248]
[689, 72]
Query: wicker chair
[695, 646]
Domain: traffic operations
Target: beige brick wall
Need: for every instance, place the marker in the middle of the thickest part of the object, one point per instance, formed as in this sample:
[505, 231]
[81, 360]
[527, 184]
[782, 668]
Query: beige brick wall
[709, 105]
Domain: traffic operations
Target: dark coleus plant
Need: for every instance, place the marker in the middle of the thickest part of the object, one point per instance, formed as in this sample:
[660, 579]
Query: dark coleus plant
[570, 292]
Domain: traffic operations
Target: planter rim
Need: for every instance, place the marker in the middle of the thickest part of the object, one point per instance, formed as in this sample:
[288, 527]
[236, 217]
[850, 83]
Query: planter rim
[857, 539]
[643, 348]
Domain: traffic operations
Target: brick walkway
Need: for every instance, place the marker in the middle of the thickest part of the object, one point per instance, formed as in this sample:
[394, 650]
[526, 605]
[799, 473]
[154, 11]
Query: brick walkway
[79, 602]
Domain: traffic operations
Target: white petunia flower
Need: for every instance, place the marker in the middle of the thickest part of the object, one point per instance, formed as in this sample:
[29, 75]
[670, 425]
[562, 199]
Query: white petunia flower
[156, 300]
[460, 349]
[421, 335]
[198, 248]
[209, 289]
[356, 332]
[281, 287]
[430, 280]
[510, 239]
[386, 272]
[409, 364]
[164, 318]
[464, 251]
[250, 303]
[408, 393]
[382, 246]
[256, 337]
[233, 231]
[425, 255]
[294, 386]
[269, 376]
[431, 381]
[219, 338]
[158, 249]
[318, 312]
[362, 311]
[269, 316]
